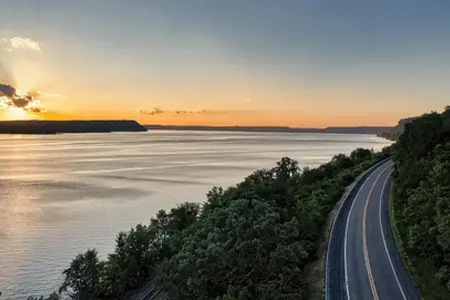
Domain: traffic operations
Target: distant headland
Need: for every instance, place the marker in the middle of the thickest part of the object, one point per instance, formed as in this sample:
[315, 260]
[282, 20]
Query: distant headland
[349, 130]
[394, 132]
[56, 127]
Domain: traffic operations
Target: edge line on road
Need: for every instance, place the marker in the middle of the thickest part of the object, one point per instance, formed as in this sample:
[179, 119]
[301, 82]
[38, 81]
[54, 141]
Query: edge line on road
[346, 232]
[384, 239]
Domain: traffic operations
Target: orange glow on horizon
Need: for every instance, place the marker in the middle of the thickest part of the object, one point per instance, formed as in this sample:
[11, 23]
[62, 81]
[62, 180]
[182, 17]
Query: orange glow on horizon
[220, 118]
[16, 113]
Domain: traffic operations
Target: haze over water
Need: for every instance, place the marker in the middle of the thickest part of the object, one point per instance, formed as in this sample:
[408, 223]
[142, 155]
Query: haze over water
[63, 194]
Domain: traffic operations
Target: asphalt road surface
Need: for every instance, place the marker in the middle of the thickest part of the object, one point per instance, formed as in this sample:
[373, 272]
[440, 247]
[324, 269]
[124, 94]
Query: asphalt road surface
[363, 262]
[148, 292]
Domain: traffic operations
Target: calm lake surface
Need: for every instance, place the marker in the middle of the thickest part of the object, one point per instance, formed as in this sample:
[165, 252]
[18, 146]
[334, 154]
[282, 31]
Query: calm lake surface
[63, 194]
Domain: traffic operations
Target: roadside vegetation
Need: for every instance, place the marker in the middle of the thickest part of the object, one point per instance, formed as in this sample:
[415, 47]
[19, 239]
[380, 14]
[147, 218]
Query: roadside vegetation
[421, 202]
[249, 241]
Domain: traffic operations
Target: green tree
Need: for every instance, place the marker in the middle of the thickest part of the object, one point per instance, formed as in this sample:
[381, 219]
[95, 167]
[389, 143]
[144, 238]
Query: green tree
[360, 154]
[53, 296]
[183, 216]
[342, 161]
[82, 278]
[246, 245]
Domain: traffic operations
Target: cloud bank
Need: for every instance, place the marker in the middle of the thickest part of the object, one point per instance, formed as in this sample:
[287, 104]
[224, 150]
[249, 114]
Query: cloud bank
[41, 94]
[20, 43]
[9, 98]
[158, 111]
[151, 112]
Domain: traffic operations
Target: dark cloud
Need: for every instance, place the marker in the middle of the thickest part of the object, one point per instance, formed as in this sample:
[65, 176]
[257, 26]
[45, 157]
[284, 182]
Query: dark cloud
[157, 111]
[7, 90]
[21, 102]
[34, 110]
[10, 98]
[151, 112]
[183, 112]
[197, 112]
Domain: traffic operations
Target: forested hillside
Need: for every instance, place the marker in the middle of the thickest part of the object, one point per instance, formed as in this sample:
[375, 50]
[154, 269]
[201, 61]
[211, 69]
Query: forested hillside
[250, 241]
[422, 201]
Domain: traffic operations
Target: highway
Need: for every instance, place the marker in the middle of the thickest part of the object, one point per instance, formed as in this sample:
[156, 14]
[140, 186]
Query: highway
[148, 292]
[362, 260]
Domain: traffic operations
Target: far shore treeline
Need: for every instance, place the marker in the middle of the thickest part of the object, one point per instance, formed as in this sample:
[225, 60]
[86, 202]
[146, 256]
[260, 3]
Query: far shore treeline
[249, 241]
[377, 130]
[104, 126]
[72, 126]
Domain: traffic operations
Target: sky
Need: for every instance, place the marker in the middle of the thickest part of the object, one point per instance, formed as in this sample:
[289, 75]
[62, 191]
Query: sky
[306, 63]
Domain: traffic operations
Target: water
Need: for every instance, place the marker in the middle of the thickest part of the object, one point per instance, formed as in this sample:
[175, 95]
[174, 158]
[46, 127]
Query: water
[61, 194]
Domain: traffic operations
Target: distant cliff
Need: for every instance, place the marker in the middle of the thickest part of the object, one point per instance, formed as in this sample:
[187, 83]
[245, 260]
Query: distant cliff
[394, 132]
[55, 127]
[348, 130]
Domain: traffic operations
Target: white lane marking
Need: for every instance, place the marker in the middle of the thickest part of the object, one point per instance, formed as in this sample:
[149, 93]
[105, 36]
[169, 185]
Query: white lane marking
[347, 289]
[384, 239]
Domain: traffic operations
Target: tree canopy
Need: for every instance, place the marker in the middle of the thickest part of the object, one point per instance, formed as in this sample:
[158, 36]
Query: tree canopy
[422, 191]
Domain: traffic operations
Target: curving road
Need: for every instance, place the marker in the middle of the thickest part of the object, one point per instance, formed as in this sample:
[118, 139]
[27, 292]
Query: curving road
[362, 261]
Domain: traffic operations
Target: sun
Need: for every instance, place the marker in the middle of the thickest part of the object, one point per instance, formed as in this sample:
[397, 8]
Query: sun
[16, 113]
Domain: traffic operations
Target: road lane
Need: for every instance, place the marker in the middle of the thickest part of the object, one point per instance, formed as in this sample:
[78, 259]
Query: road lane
[360, 284]
[391, 279]
[335, 271]
[363, 262]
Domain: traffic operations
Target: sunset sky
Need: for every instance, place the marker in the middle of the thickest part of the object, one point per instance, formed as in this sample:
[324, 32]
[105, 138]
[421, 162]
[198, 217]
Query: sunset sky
[230, 62]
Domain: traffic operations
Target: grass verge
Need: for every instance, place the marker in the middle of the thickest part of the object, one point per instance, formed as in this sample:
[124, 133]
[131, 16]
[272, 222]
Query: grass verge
[422, 272]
